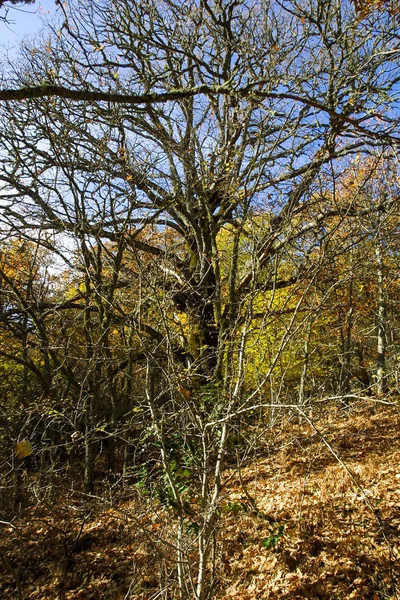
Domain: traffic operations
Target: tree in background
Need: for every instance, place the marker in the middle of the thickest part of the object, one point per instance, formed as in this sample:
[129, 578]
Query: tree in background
[7, 4]
[15, 2]
[366, 7]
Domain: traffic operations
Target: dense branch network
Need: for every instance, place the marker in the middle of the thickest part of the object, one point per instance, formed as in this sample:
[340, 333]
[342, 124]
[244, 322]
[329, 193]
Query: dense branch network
[189, 191]
[87, 95]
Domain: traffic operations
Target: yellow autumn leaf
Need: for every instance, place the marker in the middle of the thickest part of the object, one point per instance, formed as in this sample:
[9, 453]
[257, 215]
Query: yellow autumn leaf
[23, 449]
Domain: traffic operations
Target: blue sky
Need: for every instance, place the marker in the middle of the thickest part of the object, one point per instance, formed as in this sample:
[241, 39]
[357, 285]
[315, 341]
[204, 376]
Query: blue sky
[24, 20]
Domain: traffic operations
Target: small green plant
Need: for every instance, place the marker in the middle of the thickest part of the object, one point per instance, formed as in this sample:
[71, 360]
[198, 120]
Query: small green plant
[272, 541]
[143, 480]
[234, 507]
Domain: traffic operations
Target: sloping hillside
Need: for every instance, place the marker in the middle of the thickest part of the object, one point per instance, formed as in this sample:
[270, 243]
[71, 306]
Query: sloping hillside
[315, 515]
[339, 523]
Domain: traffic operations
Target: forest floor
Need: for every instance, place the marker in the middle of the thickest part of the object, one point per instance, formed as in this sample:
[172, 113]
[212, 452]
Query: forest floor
[316, 514]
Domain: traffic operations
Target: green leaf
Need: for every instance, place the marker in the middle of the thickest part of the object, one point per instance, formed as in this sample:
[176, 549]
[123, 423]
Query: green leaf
[234, 507]
[272, 541]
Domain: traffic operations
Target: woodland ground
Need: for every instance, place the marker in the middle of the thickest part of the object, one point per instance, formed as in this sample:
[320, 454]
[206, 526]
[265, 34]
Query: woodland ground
[295, 523]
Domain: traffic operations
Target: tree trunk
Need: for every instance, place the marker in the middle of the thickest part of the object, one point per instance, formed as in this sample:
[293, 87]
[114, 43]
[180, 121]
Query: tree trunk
[90, 449]
[305, 364]
[345, 333]
[381, 380]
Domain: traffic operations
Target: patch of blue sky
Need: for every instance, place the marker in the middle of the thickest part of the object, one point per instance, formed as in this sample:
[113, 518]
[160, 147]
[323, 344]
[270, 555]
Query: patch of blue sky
[23, 21]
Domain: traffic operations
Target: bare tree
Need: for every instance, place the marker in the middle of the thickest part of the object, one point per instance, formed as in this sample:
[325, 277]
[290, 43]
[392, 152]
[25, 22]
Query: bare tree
[161, 132]
[10, 4]
[14, 2]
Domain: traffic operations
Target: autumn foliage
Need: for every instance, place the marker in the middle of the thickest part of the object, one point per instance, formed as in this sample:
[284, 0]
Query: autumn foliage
[366, 7]
[199, 315]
